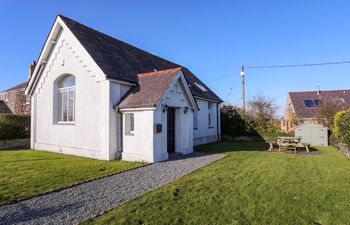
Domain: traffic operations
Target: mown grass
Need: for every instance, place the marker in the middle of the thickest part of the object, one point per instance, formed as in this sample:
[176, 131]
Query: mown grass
[26, 173]
[248, 187]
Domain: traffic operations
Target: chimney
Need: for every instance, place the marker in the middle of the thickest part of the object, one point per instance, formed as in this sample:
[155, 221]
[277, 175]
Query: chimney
[318, 90]
[31, 69]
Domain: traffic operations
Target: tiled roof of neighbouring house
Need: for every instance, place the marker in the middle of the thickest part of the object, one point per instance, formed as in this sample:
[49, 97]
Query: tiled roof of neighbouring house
[121, 61]
[146, 93]
[19, 86]
[4, 109]
[302, 111]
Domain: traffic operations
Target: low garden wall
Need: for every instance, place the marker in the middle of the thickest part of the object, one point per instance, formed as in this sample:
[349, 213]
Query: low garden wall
[15, 144]
[344, 150]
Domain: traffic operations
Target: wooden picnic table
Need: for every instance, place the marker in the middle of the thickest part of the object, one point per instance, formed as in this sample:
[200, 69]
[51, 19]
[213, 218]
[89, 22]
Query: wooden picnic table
[285, 143]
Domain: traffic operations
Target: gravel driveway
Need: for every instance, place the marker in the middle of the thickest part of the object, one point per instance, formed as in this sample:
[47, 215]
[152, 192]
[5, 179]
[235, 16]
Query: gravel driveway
[72, 205]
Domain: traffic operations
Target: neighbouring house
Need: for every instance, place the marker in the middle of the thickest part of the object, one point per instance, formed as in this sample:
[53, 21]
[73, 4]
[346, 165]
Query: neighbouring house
[95, 96]
[14, 101]
[302, 106]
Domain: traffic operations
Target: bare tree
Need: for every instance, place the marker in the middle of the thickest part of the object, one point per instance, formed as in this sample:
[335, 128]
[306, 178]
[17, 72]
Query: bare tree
[263, 110]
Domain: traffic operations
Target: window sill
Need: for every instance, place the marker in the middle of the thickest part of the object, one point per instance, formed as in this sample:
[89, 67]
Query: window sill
[129, 134]
[65, 123]
[195, 128]
[211, 127]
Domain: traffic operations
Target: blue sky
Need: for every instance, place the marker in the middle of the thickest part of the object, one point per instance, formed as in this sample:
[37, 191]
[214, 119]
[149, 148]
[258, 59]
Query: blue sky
[212, 38]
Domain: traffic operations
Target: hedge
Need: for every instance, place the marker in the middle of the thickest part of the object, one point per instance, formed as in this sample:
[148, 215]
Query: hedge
[235, 123]
[14, 127]
[342, 126]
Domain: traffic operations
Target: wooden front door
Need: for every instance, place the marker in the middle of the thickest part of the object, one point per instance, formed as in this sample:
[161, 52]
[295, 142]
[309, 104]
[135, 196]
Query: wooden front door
[171, 130]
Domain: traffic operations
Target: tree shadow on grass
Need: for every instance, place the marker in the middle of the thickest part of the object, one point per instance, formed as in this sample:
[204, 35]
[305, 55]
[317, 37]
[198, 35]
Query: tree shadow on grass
[232, 146]
[301, 151]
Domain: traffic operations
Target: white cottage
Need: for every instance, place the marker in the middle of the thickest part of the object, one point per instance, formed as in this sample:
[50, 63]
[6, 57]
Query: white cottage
[95, 96]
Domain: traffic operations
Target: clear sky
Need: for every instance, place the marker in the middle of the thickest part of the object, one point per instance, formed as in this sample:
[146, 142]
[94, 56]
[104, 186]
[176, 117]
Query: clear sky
[212, 38]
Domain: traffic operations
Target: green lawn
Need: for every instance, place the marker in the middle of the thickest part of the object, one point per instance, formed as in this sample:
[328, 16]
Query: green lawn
[25, 173]
[248, 187]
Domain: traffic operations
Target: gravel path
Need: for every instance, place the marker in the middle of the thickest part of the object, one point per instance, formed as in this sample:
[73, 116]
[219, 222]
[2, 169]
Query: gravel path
[81, 202]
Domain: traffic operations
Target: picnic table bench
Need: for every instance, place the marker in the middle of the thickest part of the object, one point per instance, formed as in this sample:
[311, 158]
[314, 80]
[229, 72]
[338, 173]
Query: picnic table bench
[291, 143]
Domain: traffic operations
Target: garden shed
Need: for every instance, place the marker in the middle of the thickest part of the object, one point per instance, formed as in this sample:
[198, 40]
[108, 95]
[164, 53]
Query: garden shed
[311, 133]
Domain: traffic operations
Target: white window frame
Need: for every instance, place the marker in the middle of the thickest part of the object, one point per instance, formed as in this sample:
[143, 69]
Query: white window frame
[60, 102]
[129, 124]
[201, 87]
[27, 99]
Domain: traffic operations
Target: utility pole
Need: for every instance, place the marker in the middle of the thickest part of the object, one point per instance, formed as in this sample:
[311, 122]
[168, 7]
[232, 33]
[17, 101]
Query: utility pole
[243, 92]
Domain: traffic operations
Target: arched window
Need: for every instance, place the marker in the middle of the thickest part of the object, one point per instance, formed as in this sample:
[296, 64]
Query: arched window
[66, 99]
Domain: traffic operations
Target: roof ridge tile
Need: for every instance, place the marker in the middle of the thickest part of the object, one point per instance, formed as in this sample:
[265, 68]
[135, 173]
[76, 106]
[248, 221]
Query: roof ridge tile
[158, 72]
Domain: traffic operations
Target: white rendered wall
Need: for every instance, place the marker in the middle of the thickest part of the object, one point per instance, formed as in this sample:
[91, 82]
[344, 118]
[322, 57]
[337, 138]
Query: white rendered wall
[204, 133]
[175, 97]
[139, 146]
[91, 135]
[148, 146]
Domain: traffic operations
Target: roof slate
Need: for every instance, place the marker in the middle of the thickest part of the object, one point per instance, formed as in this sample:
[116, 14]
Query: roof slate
[150, 89]
[302, 111]
[122, 61]
[19, 86]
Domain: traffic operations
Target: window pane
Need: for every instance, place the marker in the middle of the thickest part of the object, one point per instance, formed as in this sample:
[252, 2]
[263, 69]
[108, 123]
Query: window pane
[65, 105]
[70, 104]
[132, 122]
[60, 106]
[309, 103]
[68, 81]
[73, 104]
[129, 123]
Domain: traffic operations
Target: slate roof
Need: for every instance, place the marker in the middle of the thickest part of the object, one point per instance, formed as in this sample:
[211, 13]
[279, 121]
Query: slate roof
[4, 109]
[146, 94]
[302, 111]
[19, 86]
[122, 61]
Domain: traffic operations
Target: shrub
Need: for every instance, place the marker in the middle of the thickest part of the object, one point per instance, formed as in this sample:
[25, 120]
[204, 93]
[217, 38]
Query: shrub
[342, 126]
[235, 123]
[272, 133]
[14, 127]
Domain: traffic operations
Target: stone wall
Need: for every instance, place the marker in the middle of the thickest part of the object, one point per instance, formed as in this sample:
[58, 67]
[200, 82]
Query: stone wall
[15, 143]
[345, 150]
[16, 101]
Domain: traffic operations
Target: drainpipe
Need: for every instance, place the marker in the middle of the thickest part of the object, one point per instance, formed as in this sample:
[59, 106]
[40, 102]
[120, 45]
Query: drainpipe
[217, 122]
[120, 148]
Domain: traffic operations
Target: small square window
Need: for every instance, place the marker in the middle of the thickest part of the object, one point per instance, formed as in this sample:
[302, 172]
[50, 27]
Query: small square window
[129, 123]
[27, 100]
[309, 103]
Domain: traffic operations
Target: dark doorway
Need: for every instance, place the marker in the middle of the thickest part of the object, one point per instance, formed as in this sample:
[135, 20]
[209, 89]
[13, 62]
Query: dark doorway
[171, 130]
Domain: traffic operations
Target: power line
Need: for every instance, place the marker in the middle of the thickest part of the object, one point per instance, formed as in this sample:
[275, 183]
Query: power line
[298, 65]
